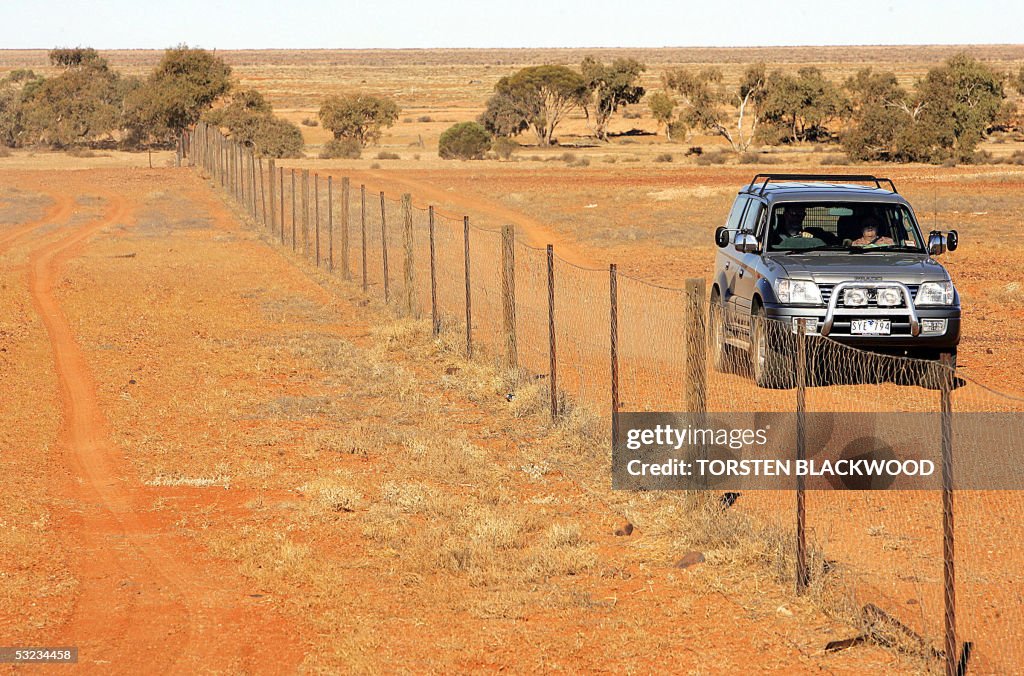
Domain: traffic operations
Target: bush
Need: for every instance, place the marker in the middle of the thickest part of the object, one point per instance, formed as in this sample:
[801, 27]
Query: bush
[385, 155]
[504, 147]
[342, 149]
[310, 122]
[836, 159]
[631, 115]
[663, 157]
[568, 158]
[424, 118]
[464, 141]
[1016, 158]
[581, 162]
[716, 157]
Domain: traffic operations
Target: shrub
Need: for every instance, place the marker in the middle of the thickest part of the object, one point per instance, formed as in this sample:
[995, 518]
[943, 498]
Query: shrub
[375, 165]
[503, 147]
[385, 155]
[568, 158]
[358, 116]
[344, 149]
[631, 115]
[835, 159]
[310, 122]
[424, 118]
[464, 141]
[716, 157]
[663, 157]
[581, 162]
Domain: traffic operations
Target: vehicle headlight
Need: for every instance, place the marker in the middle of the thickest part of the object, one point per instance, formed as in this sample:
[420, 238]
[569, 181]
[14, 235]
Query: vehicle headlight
[797, 291]
[889, 296]
[935, 293]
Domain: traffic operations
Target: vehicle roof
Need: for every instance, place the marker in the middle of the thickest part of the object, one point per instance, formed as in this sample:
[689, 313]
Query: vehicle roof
[822, 192]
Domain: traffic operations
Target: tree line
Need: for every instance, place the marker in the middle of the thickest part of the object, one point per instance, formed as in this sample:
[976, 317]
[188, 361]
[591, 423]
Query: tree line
[88, 103]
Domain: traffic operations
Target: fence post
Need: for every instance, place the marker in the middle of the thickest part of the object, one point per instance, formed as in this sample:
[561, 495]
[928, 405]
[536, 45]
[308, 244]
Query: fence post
[508, 295]
[947, 374]
[614, 298]
[281, 201]
[346, 271]
[410, 272]
[696, 355]
[553, 361]
[294, 212]
[330, 223]
[802, 577]
[362, 228]
[384, 246]
[252, 184]
[272, 170]
[469, 300]
[177, 153]
[305, 212]
[435, 322]
[263, 195]
[316, 217]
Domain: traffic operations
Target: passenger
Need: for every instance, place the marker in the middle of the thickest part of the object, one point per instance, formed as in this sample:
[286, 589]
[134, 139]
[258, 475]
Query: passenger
[870, 236]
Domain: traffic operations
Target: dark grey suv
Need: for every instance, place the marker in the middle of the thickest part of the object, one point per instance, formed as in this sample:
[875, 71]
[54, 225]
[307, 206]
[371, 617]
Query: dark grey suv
[848, 260]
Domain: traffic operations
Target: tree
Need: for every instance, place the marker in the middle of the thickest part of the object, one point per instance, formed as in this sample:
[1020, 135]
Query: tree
[503, 117]
[663, 108]
[464, 141]
[15, 87]
[539, 97]
[358, 116]
[800, 108]
[184, 85]
[73, 57]
[705, 99]
[610, 88]
[250, 118]
[80, 105]
[962, 98]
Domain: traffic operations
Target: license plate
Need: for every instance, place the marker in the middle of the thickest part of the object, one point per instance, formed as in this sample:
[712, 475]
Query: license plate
[870, 327]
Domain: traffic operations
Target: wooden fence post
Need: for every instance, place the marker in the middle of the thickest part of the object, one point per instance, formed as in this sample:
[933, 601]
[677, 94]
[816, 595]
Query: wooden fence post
[552, 359]
[272, 171]
[294, 213]
[280, 172]
[330, 223]
[469, 296]
[435, 321]
[696, 347]
[305, 212]
[508, 295]
[384, 246]
[409, 270]
[362, 227]
[316, 218]
[263, 195]
[614, 289]
[346, 271]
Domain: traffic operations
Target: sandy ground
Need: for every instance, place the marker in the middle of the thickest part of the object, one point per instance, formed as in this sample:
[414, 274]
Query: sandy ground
[217, 461]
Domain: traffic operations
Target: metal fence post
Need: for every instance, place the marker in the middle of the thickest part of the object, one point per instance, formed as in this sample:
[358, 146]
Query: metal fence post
[384, 246]
[553, 361]
[802, 576]
[435, 321]
[614, 298]
[508, 295]
[947, 373]
[409, 292]
[469, 299]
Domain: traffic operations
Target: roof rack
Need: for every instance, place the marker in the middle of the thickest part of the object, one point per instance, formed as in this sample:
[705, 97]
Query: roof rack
[867, 178]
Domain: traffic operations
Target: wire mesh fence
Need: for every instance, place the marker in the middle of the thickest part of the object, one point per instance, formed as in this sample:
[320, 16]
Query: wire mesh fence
[611, 342]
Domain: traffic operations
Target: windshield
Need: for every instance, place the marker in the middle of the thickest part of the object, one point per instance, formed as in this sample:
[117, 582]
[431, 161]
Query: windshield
[842, 226]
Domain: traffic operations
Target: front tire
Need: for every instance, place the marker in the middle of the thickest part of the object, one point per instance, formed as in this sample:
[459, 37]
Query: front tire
[771, 358]
[721, 357]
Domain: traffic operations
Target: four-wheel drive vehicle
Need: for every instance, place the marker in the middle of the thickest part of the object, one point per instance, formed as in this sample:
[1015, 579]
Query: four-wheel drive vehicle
[848, 260]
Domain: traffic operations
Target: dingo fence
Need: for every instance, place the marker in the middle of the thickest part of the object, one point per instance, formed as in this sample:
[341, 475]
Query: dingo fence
[618, 343]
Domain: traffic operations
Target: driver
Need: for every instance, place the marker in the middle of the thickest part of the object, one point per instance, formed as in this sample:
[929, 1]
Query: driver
[870, 236]
[793, 222]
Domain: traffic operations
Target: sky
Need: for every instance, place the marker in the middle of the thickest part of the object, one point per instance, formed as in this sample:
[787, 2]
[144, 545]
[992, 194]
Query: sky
[391, 24]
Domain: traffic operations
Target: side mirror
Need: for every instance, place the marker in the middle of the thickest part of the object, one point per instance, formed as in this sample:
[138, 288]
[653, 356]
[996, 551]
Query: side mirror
[941, 242]
[722, 236]
[746, 243]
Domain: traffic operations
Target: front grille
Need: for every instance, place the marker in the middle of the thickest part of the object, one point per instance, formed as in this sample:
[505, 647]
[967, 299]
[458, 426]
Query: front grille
[826, 295]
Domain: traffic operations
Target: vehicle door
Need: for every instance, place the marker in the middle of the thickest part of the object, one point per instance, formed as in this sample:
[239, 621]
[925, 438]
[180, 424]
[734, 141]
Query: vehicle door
[730, 262]
[748, 264]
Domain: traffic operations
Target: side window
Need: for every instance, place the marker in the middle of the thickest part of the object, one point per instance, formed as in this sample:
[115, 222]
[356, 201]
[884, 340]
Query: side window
[751, 218]
[737, 213]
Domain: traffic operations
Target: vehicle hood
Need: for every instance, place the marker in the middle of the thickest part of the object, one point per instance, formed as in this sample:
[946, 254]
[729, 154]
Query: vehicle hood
[835, 267]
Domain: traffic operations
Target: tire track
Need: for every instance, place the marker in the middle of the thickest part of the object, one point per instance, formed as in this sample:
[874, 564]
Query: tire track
[138, 606]
[59, 212]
